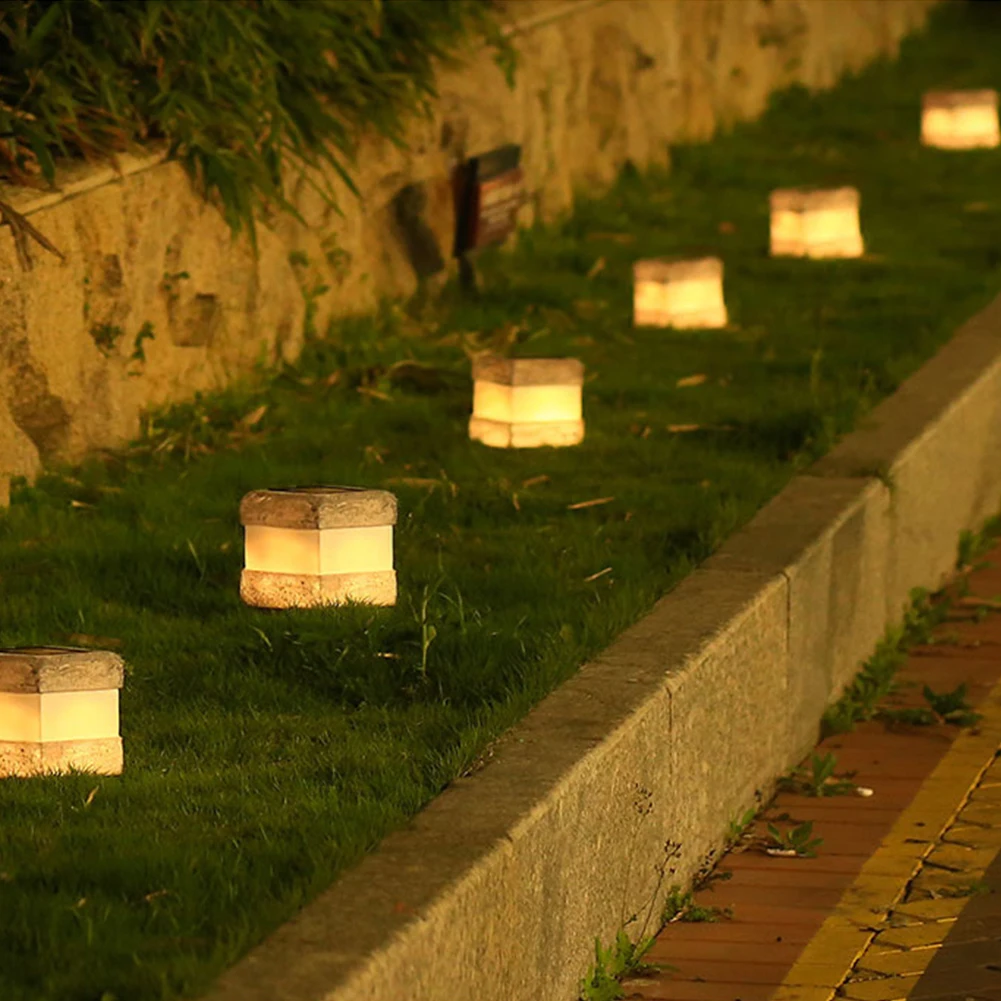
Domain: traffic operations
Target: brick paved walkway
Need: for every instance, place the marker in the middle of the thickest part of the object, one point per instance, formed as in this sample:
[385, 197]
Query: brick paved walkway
[903, 899]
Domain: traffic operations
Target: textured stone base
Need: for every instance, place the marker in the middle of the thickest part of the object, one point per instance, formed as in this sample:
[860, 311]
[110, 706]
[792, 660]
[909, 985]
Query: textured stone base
[817, 251]
[499, 434]
[102, 756]
[703, 319]
[263, 589]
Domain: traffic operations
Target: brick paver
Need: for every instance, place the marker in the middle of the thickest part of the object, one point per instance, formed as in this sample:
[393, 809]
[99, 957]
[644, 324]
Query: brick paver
[903, 900]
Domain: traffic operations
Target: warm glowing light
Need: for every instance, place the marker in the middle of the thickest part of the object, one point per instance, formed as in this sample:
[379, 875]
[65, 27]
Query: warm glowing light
[318, 546]
[59, 710]
[814, 223]
[960, 119]
[527, 402]
[682, 294]
[59, 715]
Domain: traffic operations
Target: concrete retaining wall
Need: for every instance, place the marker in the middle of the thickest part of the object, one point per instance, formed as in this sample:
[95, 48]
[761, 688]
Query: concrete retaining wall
[601, 82]
[497, 889]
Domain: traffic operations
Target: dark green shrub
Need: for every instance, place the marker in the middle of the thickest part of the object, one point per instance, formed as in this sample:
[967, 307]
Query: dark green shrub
[239, 88]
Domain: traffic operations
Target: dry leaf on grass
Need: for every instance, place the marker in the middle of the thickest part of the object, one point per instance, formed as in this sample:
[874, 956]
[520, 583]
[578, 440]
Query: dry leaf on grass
[254, 417]
[580, 505]
[683, 428]
[691, 380]
[376, 394]
[596, 268]
[534, 481]
[595, 576]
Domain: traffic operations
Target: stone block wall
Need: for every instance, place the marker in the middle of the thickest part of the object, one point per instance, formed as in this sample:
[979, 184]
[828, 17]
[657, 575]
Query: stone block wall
[600, 82]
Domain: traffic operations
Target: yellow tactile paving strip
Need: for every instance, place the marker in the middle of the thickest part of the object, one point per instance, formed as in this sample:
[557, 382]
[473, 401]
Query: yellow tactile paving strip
[879, 944]
[884, 912]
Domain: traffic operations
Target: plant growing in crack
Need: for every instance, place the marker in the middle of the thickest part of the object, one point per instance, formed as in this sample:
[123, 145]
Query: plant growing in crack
[680, 904]
[738, 829]
[818, 778]
[943, 707]
[626, 956]
[793, 842]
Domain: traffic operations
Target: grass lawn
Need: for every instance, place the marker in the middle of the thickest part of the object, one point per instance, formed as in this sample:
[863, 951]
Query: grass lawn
[267, 751]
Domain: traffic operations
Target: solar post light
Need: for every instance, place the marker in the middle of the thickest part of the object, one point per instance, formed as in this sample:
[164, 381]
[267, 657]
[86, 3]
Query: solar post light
[309, 546]
[527, 402]
[960, 119]
[807, 222]
[679, 293]
[59, 711]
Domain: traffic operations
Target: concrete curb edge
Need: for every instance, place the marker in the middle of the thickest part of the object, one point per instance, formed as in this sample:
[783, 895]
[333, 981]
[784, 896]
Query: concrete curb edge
[496, 890]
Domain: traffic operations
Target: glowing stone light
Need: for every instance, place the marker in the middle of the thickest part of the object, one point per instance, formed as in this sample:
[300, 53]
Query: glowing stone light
[527, 402]
[59, 710]
[807, 222]
[684, 294]
[960, 119]
[307, 546]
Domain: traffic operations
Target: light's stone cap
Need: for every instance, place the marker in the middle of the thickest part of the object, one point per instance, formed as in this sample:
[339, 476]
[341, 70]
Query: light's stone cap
[960, 99]
[318, 507]
[529, 371]
[39, 669]
[663, 269]
[803, 199]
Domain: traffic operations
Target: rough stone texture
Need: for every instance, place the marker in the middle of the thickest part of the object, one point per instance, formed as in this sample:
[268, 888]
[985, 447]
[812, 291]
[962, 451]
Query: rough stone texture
[550, 832]
[266, 589]
[676, 270]
[529, 371]
[830, 539]
[937, 443]
[103, 757]
[32, 670]
[318, 507]
[529, 434]
[814, 199]
[608, 83]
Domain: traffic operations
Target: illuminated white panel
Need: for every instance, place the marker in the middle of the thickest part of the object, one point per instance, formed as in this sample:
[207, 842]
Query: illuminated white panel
[822, 226]
[20, 717]
[492, 401]
[308, 551]
[58, 716]
[545, 403]
[977, 123]
[356, 550]
[693, 296]
[282, 550]
[786, 226]
[649, 302]
[961, 127]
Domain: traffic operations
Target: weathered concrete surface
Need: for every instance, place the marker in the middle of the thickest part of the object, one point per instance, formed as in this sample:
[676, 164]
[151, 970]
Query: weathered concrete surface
[599, 84]
[497, 889]
[830, 539]
[494, 889]
[936, 442]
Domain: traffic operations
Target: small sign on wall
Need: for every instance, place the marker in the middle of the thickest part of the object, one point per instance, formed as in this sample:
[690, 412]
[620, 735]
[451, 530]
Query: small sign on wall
[489, 190]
